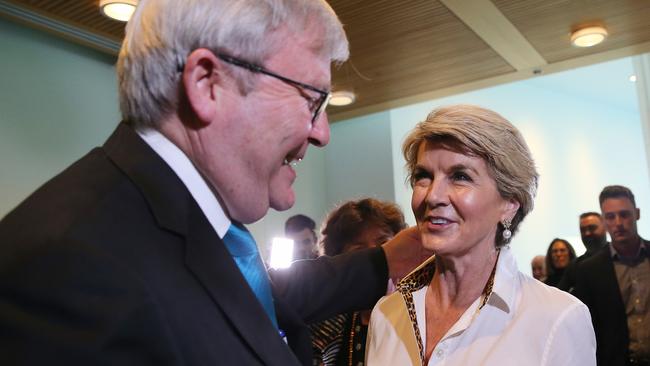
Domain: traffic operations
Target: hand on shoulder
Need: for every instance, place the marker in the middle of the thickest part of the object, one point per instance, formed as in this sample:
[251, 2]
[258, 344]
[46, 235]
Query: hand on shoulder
[404, 253]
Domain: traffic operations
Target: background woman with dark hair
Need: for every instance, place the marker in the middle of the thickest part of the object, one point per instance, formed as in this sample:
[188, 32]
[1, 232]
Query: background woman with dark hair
[354, 225]
[559, 255]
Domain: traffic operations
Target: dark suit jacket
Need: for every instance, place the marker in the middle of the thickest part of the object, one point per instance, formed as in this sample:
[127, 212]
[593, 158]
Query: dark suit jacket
[113, 263]
[596, 285]
[568, 280]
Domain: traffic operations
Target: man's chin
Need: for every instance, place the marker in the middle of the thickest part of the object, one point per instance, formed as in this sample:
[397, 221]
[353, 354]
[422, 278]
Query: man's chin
[284, 203]
[249, 216]
[620, 237]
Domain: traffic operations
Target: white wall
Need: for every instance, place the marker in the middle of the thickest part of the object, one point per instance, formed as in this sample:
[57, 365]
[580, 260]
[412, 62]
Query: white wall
[57, 101]
[580, 144]
[359, 159]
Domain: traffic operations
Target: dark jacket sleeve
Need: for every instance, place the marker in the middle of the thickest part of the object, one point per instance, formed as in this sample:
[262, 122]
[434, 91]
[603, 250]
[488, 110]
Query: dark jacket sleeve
[568, 280]
[320, 288]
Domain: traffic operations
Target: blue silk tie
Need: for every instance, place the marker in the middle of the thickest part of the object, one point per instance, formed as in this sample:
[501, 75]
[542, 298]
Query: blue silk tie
[242, 248]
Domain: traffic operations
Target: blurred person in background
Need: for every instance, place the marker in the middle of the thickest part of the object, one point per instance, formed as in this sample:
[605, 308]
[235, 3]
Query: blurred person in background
[559, 255]
[302, 230]
[592, 233]
[594, 238]
[354, 225]
[538, 267]
[615, 283]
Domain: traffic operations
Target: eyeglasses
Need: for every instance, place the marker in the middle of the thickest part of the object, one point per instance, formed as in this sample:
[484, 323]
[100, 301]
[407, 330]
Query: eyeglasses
[316, 105]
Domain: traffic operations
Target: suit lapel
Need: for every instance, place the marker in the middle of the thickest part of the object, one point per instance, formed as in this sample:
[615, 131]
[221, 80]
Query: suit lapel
[606, 280]
[163, 190]
[206, 257]
[608, 274]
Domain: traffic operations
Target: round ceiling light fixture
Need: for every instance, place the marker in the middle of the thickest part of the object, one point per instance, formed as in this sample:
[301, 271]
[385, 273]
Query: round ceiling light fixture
[588, 36]
[118, 9]
[342, 98]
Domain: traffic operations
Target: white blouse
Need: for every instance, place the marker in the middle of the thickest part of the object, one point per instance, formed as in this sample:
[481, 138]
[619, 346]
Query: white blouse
[524, 322]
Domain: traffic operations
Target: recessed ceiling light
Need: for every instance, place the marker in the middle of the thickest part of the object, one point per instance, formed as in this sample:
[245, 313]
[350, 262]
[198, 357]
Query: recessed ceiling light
[342, 98]
[588, 37]
[633, 78]
[118, 9]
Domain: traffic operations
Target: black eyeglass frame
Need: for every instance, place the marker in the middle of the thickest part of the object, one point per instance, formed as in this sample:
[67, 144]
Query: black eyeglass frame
[320, 103]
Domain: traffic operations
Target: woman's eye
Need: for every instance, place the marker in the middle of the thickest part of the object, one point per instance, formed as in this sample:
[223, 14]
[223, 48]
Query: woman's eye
[461, 176]
[421, 177]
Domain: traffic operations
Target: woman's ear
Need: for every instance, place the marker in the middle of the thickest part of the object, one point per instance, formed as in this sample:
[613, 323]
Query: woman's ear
[202, 73]
[510, 209]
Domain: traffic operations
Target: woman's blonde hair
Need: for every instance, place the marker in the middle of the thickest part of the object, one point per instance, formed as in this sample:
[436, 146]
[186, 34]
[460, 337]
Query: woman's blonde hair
[485, 134]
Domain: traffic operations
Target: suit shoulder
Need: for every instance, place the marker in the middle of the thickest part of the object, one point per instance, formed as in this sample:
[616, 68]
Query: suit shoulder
[600, 258]
[72, 195]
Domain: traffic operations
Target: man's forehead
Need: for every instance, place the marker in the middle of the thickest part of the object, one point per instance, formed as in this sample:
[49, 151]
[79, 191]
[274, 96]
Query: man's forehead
[590, 220]
[617, 204]
[302, 233]
[303, 51]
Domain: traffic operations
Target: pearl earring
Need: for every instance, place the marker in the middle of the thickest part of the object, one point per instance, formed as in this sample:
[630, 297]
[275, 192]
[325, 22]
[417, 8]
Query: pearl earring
[506, 229]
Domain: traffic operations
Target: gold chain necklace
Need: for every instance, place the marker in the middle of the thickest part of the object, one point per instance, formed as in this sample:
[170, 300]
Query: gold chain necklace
[351, 343]
[487, 291]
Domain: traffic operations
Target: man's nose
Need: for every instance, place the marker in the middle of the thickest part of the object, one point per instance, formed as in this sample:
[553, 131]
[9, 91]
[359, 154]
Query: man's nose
[618, 220]
[320, 131]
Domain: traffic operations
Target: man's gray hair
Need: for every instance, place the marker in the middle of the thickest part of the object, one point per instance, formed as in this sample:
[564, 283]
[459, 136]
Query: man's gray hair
[162, 33]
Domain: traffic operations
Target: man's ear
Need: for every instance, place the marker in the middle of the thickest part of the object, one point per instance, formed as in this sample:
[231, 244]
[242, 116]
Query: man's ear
[202, 72]
[638, 213]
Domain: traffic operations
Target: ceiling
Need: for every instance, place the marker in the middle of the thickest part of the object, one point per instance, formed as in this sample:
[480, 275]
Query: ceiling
[406, 51]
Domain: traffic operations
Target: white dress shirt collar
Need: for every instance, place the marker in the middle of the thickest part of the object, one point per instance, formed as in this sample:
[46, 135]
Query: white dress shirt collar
[193, 181]
[504, 290]
[502, 296]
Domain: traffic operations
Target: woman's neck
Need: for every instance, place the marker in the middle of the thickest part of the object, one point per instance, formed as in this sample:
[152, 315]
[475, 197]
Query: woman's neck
[458, 282]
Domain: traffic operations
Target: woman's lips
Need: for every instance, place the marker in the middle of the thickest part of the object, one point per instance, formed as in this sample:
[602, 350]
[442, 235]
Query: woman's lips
[437, 223]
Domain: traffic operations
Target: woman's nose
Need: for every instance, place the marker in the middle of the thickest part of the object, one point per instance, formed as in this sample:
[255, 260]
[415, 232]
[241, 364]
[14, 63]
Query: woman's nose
[438, 194]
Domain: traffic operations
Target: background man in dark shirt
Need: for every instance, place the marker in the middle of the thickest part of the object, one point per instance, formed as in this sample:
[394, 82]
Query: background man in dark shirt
[594, 237]
[615, 284]
[302, 230]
